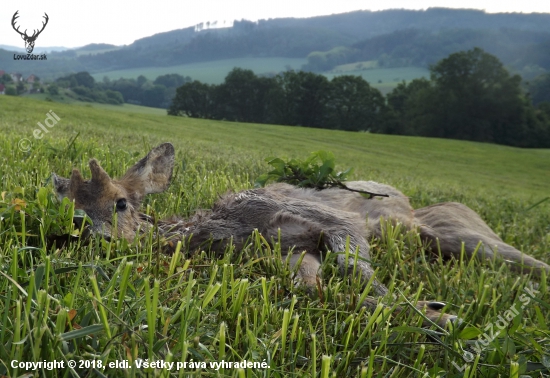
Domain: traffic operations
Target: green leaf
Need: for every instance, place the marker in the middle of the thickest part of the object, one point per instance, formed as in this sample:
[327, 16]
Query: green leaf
[71, 335]
[42, 197]
[278, 164]
[469, 333]
[261, 181]
[317, 171]
[509, 347]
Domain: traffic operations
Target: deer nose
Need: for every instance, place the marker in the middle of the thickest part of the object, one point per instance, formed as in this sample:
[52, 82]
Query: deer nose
[436, 305]
[78, 221]
[82, 222]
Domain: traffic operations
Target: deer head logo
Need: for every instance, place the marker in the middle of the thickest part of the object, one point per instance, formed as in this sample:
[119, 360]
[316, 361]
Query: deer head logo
[29, 40]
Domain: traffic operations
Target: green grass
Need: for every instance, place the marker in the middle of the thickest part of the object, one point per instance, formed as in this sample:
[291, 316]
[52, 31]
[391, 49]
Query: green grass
[213, 72]
[98, 301]
[126, 108]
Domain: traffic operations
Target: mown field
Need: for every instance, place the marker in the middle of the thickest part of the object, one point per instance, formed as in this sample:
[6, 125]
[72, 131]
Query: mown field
[97, 302]
[213, 72]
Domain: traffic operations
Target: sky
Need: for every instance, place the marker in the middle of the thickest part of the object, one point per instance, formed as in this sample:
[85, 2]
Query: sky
[75, 23]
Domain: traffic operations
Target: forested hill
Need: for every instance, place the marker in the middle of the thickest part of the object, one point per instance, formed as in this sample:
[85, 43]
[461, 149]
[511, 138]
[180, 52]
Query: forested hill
[355, 35]
[355, 26]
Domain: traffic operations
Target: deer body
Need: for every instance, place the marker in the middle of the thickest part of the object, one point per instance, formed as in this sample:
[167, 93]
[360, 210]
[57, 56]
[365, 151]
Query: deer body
[308, 220]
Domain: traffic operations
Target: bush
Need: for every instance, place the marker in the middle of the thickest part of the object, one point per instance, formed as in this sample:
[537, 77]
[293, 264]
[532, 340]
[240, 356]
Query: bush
[11, 91]
[53, 89]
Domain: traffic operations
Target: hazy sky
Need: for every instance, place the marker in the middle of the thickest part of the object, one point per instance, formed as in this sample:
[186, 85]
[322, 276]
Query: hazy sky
[76, 23]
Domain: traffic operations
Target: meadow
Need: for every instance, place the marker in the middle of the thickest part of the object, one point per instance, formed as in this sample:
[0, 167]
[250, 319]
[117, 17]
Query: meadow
[212, 72]
[65, 99]
[101, 303]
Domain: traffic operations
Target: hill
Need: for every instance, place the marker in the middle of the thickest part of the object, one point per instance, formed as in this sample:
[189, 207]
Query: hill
[520, 40]
[37, 49]
[106, 301]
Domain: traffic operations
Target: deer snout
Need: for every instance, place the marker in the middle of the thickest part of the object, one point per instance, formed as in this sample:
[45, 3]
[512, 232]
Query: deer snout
[435, 305]
[433, 312]
[81, 223]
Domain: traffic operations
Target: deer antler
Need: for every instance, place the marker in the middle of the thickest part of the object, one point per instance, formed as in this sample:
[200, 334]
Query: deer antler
[35, 34]
[15, 17]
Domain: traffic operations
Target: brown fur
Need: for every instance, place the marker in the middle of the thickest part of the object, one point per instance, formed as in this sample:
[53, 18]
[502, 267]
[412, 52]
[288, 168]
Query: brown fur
[309, 220]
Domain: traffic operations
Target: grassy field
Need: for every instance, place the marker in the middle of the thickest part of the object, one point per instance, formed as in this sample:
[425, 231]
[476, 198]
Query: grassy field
[97, 302]
[126, 108]
[367, 64]
[212, 72]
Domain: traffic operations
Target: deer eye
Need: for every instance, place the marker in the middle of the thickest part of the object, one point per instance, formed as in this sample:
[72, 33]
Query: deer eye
[121, 204]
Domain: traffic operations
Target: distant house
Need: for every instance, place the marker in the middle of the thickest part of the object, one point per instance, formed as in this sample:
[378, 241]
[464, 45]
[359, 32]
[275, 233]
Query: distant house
[2, 72]
[2, 89]
[31, 80]
[16, 77]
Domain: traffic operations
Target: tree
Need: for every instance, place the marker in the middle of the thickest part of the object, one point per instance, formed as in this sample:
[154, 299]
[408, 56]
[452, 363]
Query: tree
[300, 99]
[129, 89]
[141, 80]
[6, 79]
[410, 109]
[477, 98]
[114, 97]
[53, 89]
[84, 79]
[236, 95]
[155, 97]
[243, 96]
[353, 104]
[539, 89]
[193, 99]
[172, 80]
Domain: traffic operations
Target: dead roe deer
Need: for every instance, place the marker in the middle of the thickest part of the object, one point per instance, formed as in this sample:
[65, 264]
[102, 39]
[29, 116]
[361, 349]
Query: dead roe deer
[309, 220]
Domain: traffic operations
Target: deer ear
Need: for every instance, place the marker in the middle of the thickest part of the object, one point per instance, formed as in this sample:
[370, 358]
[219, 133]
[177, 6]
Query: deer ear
[61, 186]
[153, 173]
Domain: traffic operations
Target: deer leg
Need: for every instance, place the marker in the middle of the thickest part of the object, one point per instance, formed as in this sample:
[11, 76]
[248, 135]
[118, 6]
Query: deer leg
[294, 228]
[450, 224]
[305, 234]
[309, 269]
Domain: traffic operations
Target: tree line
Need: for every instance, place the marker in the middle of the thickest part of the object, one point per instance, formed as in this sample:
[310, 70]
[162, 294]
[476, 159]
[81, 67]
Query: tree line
[141, 91]
[469, 96]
